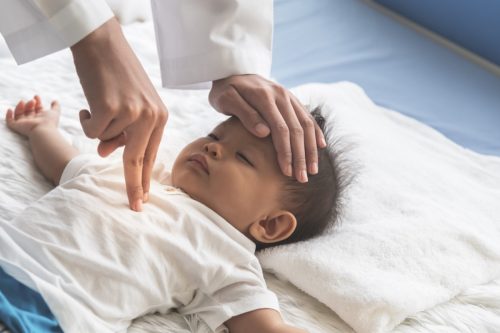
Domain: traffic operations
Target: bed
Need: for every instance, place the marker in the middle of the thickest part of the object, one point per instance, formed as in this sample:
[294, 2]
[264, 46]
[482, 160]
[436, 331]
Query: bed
[315, 41]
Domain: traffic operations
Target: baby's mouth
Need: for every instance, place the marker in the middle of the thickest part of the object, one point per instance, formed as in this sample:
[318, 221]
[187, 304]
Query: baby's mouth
[200, 161]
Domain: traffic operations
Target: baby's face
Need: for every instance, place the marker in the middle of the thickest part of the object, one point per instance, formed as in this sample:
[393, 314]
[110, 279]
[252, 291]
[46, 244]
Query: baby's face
[233, 172]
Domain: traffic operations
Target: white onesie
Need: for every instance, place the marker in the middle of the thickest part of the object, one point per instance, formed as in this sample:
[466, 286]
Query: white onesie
[99, 265]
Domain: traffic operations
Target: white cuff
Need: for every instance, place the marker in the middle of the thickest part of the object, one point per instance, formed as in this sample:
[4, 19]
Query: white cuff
[63, 29]
[177, 73]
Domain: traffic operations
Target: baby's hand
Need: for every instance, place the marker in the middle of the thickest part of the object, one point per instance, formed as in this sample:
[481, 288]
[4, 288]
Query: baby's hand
[30, 115]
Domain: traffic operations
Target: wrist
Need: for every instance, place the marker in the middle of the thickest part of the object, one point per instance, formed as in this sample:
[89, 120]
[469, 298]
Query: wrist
[98, 38]
[40, 130]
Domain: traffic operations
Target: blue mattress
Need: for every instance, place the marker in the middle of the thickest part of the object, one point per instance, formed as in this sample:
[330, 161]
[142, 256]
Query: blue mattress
[399, 68]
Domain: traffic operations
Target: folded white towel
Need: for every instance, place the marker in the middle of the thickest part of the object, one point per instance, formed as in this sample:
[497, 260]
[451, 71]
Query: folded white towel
[420, 223]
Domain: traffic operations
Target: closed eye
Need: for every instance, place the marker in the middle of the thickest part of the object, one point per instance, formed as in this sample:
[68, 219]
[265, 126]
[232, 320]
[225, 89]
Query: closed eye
[213, 136]
[244, 158]
[238, 154]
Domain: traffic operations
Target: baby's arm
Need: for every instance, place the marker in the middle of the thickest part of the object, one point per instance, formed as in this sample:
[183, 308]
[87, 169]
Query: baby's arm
[50, 150]
[262, 321]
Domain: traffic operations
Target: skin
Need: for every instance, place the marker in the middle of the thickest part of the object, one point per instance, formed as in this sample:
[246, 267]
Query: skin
[232, 187]
[264, 106]
[125, 110]
[50, 150]
[243, 182]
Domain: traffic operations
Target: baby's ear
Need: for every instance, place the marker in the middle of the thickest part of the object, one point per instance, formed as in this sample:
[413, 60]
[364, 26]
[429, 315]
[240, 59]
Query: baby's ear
[274, 228]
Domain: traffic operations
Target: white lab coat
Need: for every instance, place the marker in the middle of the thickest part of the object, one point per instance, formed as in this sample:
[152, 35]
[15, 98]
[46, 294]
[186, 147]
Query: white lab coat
[198, 40]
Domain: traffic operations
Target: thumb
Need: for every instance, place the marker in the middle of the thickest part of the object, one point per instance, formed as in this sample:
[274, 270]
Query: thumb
[85, 117]
[55, 106]
[105, 148]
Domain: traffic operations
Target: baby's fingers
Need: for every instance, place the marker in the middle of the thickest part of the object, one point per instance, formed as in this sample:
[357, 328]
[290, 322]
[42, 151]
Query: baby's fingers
[55, 106]
[38, 104]
[19, 110]
[29, 108]
[9, 117]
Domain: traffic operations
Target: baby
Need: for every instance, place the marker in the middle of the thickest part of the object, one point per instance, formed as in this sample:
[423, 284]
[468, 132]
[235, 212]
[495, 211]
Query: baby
[98, 265]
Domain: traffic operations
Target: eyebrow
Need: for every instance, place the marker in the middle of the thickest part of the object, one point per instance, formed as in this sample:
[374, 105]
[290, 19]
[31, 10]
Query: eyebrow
[257, 153]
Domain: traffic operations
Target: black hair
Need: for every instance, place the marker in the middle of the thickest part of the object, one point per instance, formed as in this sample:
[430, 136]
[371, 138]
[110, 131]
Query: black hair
[316, 204]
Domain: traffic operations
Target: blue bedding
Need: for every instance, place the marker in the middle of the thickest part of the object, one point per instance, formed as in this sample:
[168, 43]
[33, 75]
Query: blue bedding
[23, 310]
[335, 40]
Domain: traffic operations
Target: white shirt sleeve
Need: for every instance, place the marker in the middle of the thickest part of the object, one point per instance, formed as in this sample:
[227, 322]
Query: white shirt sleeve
[35, 28]
[203, 40]
[243, 290]
[83, 164]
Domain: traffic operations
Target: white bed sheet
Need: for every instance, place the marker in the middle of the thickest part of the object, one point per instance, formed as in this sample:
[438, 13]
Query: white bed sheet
[476, 310]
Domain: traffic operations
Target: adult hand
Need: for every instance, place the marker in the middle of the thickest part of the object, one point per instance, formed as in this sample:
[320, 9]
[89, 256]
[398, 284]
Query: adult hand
[266, 107]
[125, 109]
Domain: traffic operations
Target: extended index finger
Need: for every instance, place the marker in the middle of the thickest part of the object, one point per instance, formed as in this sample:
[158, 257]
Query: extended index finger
[133, 159]
[149, 159]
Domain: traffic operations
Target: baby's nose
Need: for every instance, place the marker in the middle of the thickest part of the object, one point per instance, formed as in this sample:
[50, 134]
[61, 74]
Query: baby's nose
[213, 149]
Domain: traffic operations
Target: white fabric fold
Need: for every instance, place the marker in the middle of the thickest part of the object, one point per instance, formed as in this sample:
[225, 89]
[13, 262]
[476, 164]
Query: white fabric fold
[201, 41]
[33, 29]
[197, 41]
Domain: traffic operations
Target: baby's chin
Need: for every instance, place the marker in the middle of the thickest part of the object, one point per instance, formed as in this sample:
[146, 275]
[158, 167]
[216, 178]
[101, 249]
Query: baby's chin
[176, 176]
[187, 187]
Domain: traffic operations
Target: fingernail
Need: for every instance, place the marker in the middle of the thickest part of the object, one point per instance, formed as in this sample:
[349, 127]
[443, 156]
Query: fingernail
[146, 196]
[138, 205]
[323, 143]
[314, 168]
[303, 176]
[288, 170]
[262, 129]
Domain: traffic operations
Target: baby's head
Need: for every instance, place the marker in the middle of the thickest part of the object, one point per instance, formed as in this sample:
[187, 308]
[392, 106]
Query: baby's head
[237, 175]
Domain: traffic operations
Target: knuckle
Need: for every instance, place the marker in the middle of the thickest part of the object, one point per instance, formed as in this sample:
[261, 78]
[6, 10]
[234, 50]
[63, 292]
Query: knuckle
[264, 92]
[227, 95]
[148, 162]
[280, 90]
[111, 106]
[312, 155]
[224, 100]
[307, 123]
[254, 118]
[130, 111]
[281, 128]
[286, 156]
[297, 131]
[135, 161]
[227, 102]
[135, 191]
[116, 110]
[162, 116]
[299, 161]
[149, 114]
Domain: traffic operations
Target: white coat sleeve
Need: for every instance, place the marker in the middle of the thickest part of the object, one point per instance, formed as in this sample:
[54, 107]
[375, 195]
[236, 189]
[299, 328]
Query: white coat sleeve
[204, 40]
[34, 28]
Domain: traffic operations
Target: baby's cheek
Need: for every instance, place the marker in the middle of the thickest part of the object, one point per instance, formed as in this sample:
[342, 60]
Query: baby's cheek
[233, 200]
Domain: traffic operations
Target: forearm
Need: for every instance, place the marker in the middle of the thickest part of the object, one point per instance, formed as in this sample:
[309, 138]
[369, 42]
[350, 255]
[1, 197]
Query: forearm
[51, 152]
[99, 40]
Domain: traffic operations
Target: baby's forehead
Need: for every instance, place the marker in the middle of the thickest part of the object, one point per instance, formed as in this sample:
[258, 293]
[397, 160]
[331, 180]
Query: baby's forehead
[233, 127]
